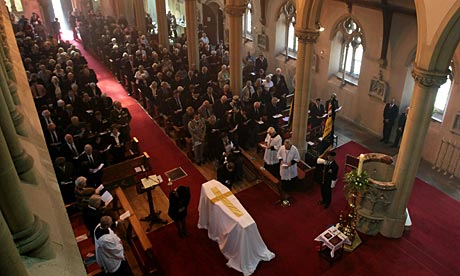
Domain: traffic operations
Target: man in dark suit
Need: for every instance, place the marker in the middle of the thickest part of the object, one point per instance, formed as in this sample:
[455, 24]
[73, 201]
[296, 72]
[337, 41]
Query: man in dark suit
[256, 115]
[261, 63]
[316, 112]
[177, 106]
[261, 96]
[71, 149]
[329, 178]
[54, 139]
[65, 175]
[401, 125]
[221, 106]
[210, 96]
[389, 117]
[90, 165]
[271, 110]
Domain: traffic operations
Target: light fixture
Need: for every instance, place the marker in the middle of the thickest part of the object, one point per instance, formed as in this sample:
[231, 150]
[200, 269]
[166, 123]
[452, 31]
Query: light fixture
[319, 27]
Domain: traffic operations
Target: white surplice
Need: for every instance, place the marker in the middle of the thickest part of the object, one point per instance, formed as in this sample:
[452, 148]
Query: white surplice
[270, 156]
[288, 170]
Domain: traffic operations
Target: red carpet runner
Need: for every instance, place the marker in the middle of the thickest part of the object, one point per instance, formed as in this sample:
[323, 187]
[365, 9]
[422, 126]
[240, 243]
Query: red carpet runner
[430, 248]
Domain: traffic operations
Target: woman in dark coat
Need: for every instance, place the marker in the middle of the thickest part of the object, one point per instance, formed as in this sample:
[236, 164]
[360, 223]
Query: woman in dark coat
[179, 199]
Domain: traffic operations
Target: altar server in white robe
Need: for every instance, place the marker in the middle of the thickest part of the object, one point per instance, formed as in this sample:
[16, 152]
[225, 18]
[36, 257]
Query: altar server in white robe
[273, 143]
[289, 157]
[109, 251]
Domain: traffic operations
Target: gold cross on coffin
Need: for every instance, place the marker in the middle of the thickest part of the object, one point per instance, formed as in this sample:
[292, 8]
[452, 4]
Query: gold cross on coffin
[223, 197]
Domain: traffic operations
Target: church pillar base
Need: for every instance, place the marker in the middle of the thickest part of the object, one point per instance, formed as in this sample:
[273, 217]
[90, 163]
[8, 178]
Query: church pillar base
[34, 241]
[393, 227]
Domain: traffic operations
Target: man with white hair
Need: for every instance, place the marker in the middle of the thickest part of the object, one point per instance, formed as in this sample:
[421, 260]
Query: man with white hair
[109, 250]
[289, 157]
[272, 144]
[223, 77]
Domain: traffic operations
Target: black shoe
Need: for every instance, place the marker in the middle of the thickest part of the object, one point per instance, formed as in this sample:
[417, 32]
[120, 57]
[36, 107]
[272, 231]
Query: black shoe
[381, 140]
[320, 202]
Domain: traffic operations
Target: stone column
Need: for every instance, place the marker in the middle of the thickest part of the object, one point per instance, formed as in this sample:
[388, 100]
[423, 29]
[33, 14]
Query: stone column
[139, 15]
[7, 66]
[23, 162]
[120, 8]
[426, 86]
[10, 261]
[192, 35]
[18, 119]
[307, 39]
[47, 11]
[162, 26]
[30, 234]
[235, 11]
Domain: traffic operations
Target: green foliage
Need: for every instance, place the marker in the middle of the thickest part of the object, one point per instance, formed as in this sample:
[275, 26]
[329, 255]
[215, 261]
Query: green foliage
[356, 182]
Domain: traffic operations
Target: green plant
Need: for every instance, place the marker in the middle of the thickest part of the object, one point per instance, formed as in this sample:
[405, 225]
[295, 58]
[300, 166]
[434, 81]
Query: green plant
[356, 182]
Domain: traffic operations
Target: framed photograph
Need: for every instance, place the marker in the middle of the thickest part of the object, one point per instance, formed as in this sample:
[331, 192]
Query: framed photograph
[262, 41]
[456, 125]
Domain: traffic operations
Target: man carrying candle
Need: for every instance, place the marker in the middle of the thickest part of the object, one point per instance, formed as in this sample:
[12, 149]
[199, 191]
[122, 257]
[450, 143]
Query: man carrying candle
[329, 178]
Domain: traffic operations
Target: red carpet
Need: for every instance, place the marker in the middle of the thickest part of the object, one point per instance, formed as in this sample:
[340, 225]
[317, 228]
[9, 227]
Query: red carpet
[430, 248]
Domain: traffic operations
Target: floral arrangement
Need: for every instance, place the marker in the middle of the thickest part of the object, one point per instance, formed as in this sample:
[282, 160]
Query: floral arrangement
[357, 182]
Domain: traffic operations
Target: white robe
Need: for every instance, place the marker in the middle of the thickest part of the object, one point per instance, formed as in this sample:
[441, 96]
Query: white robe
[270, 156]
[109, 251]
[288, 171]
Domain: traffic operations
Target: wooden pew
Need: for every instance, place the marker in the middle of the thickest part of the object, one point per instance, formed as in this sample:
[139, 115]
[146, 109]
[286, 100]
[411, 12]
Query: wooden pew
[137, 238]
[254, 166]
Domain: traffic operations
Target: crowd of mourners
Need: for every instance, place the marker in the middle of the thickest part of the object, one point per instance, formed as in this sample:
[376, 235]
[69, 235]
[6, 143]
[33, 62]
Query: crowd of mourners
[84, 128]
[196, 100]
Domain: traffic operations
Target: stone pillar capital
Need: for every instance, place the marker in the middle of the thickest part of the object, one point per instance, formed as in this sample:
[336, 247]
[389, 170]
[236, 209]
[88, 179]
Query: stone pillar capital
[235, 10]
[307, 35]
[429, 79]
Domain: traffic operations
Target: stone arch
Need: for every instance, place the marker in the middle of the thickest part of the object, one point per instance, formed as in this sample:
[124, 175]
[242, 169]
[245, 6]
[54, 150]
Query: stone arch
[309, 14]
[445, 40]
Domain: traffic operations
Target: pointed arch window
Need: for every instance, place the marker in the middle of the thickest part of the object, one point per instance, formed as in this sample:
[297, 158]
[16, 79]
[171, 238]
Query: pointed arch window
[350, 37]
[291, 40]
[442, 97]
[247, 22]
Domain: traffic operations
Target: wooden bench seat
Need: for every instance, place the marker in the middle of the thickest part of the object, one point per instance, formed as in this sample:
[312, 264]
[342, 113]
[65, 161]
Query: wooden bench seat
[253, 166]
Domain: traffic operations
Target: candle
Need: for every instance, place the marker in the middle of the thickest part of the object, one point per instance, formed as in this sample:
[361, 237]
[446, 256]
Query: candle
[360, 164]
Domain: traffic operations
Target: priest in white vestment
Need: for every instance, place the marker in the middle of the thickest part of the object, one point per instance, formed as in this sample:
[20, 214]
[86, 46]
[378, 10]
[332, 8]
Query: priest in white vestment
[289, 157]
[273, 143]
[109, 249]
